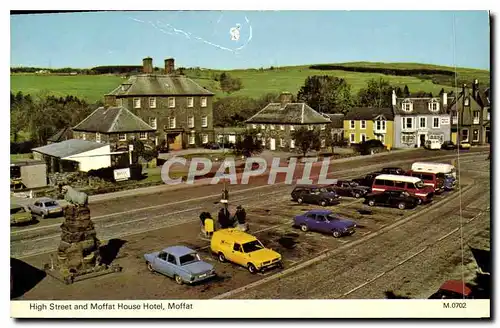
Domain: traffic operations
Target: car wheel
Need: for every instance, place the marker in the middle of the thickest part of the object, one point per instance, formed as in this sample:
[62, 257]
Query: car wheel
[150, 267]
[419, 201]
[304, 227]
[221, 257]
[322, 203]
[357, 195]
[299, 200]
[281, 265]
[401, 206]
[178, 280]
[251, 268]
[336, 234]
[371, 202]
[43, 216]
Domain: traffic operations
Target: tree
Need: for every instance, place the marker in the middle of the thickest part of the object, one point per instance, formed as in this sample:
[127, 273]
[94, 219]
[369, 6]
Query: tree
[248, 144]
[327, 94]
[441, 92]
[229, 84]
[406, 91]
[331, 141]
[306, 140]
[377, 93]
[399, 92]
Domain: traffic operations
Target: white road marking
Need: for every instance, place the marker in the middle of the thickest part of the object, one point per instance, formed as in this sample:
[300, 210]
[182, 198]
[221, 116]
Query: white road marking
[451, 232]
[363, 284]
[366, 232]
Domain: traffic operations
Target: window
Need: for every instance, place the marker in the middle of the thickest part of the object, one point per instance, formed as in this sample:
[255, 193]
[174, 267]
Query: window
[465, 135]
[191, 139]
[282, 142]
[254, 126]
[191, 122]
[292, 143]
[352, 137]
[435, 122]
[137, 102]
[97, 137]
[399, 184]
[476, 117]
[466, 102]
[454, 117]
[171, 102]
[262, 126]
[204, 138]
[84, 136]
[203, 101]
[190, 101]
[323, 143]
[143, 135]
[171, 122]
[152, 122]
[323, 127]
[152, 102]
[189, 258]
[434, 105]
[380, 125]
[122, 136]
[352, 124]
[363, 124]
[408, 139]
[423, 122]
[237, 247]
[407, 105]
[204, 121]
[271, 126]
[388, 183]
[363, 137]
[292, 128]
[475, 135]
[171, 259]
[282, 127]
[407, 122]
[310, 127]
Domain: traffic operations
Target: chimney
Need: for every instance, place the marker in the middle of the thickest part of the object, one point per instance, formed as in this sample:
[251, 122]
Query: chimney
[147, 65]
[394, 97]
[445, 99]
[169, 66]
[475, 88]
[285, 98]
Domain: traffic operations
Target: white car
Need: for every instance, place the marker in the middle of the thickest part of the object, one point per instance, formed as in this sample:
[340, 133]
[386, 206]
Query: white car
[432, 144]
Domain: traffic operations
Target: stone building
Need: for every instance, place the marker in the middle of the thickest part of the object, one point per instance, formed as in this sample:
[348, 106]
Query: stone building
[277, 121]
[177, 107]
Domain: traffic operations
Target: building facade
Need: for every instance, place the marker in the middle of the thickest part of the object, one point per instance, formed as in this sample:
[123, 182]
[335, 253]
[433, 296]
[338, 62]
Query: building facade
[470, 116]
[177, 107]
[276, 123]
[419, 119]
[366, 123]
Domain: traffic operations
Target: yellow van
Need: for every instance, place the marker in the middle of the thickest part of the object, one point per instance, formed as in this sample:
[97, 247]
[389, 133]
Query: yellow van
[244, 249]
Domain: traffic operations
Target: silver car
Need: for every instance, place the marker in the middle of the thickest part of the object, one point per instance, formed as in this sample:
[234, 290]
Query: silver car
[45, 207]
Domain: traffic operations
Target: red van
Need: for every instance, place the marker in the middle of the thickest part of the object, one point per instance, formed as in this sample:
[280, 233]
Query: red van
[429, 179]
[413, 185]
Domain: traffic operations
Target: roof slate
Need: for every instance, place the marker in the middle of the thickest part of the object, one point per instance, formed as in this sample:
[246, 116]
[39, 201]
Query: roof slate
[336, 119]
[160, 85]
[369, 113]
[68, 148]
[64, 133]
[291, 113]
[113, 120]
[421, 106]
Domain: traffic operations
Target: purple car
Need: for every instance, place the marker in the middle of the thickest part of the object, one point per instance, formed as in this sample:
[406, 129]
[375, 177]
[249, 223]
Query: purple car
[325, 221]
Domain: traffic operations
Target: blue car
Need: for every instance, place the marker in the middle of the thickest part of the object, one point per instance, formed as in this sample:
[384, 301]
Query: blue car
[325, 221]
[181, 263]
[449, 182]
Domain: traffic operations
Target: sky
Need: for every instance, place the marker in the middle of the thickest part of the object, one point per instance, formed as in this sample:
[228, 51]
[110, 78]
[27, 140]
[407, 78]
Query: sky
[266, 38]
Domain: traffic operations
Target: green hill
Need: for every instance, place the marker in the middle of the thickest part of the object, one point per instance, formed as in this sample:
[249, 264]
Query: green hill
[257, 82]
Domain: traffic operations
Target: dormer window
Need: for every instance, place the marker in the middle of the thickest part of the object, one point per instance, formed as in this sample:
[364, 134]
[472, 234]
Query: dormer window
[466, 102]
[407, 105]
[434, 105]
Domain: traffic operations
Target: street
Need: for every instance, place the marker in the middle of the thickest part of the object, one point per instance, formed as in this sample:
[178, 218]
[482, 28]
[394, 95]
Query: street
[408, 253]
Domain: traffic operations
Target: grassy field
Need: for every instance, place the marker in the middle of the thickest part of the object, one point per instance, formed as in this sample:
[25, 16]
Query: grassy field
[255, 82]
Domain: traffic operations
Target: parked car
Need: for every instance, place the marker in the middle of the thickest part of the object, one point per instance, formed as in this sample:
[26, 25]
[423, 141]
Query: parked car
[448, 145]
[20, 214]
[414, 186]
[453, 289]
[181, 263]
[315, 195]
[46, 207]
[464, 145]
[348, 188]
[325, 221]
[392, 170]
[399, 199]
[367, 180]
[211, 145]
[432, 144]
[243, 249]
[430, 179]
[370, 147]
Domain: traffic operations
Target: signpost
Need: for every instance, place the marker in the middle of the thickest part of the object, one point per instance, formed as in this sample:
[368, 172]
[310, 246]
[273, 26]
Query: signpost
[122, 174]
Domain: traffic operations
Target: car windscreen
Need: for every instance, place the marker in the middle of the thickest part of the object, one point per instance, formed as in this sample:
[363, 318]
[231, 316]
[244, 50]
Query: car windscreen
[252, 246]
[189, 258]
[50, 203]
